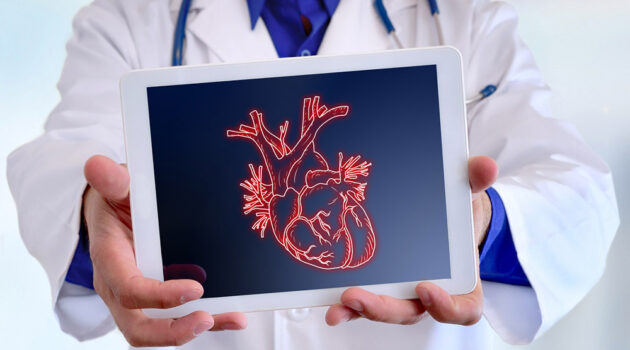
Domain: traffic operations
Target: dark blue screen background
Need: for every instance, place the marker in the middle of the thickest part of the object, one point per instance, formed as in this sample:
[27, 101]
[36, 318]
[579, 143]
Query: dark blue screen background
[393, 123]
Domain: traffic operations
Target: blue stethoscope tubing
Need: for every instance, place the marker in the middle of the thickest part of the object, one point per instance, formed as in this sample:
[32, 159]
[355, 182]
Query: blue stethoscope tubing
[382, 13]
[180, 36]
[180, 33]
[435, 13]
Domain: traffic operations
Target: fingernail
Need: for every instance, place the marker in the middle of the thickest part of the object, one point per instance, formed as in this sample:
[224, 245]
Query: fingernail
[190, 295]
[230, 326]
[202, 327]
[355, 305]
[425, 297]
[344, 319]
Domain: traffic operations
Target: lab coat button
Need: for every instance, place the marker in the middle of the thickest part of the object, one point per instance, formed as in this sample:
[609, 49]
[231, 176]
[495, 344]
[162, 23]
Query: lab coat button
[299, 314]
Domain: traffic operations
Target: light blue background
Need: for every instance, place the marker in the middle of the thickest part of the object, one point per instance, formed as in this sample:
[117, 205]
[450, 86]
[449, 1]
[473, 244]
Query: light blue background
[581, 46]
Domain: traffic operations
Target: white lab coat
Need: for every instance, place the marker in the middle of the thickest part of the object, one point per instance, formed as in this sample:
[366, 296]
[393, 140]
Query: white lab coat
[558, 195]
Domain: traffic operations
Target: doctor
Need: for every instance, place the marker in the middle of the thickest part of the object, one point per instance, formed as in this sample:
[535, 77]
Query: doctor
[544, 227]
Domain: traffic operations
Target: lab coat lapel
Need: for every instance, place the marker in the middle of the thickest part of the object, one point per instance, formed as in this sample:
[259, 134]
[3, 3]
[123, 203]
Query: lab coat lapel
[225, 27]
[354, 27]
[357, 27]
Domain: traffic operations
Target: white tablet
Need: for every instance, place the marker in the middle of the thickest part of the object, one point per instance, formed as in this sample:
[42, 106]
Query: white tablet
[280, 184]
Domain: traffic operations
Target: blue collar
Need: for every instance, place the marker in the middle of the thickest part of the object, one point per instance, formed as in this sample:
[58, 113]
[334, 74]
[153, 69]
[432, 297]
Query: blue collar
[256, 7]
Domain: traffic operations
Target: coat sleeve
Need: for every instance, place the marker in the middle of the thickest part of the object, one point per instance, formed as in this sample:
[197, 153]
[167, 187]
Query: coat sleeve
[558, 194]
[46, 175]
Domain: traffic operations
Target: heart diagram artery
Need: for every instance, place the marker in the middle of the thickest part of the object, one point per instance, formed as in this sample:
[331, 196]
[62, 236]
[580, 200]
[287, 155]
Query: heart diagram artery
[313, 207]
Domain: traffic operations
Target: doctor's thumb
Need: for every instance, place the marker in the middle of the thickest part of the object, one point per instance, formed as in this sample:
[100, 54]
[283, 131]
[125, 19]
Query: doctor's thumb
[482, 173]
[108, 178]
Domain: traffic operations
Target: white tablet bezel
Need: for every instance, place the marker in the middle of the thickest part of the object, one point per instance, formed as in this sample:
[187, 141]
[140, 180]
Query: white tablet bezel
[454, 153]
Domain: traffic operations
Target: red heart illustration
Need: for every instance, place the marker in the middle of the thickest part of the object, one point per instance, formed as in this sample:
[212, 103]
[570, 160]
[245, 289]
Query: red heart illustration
[315, 212]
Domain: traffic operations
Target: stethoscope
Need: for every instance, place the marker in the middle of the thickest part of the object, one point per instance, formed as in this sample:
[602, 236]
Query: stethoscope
[180, 36]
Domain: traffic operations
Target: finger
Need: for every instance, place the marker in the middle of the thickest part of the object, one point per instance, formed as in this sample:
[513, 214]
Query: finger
[458, 309]
[113, 257]
[134, 291]
[482, 173]
[107, 177]
[382, 308]
[338, 313]
[139, 293]
[140, 330]
[229, 321]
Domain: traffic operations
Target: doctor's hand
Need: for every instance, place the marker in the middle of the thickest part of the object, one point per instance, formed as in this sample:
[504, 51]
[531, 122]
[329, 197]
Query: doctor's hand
[117, 279]
[458, 309]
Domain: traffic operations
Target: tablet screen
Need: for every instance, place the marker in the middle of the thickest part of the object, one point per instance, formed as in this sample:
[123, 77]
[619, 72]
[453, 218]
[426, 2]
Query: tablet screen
[301, 182]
